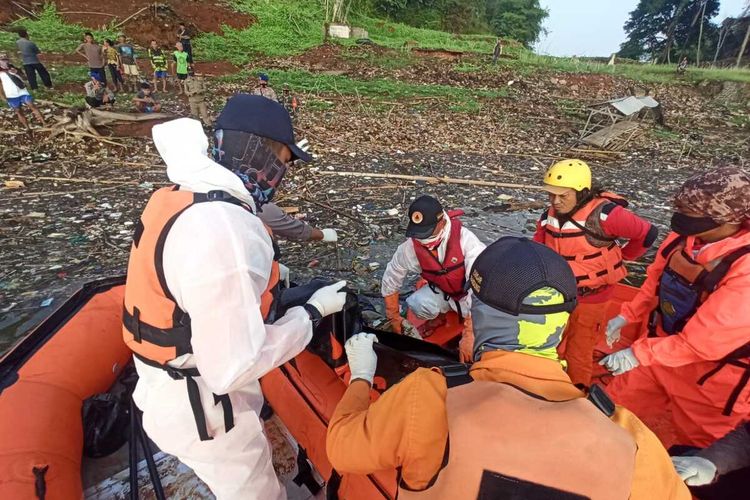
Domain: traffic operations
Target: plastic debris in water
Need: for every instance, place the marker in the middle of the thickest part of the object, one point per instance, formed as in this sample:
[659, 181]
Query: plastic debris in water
[46, 302]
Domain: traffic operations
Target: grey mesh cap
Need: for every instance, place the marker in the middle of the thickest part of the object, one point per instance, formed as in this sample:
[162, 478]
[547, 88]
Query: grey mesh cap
[508, 270]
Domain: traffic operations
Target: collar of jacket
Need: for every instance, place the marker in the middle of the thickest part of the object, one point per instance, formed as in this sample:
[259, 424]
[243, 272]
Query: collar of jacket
[544, 377]
[710, 251]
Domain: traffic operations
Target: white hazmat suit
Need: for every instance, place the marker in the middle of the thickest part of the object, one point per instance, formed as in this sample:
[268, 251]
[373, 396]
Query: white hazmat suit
[217, 260]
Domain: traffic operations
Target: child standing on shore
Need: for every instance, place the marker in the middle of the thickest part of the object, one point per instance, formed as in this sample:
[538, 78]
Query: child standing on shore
[14, 91]
[112, 57]
[181, 65]
[159, 65]
[129, 66]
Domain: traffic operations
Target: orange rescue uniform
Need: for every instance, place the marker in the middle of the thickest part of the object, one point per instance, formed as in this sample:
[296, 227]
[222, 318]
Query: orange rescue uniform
[407, 427]
[687, 372]
[587, 240]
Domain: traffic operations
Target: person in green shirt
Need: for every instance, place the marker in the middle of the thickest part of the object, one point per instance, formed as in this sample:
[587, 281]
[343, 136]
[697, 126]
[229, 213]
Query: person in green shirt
[181, 65]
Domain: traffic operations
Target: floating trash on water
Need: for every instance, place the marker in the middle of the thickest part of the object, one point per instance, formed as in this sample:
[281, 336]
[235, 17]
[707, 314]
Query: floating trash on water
[46, 302]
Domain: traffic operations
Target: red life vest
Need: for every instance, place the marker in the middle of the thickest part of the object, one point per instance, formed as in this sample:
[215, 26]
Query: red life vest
[154, 326]
[594, 256]
[448, 276]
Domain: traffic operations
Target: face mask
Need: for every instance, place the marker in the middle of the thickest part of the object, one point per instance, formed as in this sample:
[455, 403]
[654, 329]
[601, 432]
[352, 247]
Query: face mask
[433, 241]
[686, 226]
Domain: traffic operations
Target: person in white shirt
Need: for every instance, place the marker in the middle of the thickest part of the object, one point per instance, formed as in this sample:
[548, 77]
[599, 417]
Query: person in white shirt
[15, 93]
[442, 251]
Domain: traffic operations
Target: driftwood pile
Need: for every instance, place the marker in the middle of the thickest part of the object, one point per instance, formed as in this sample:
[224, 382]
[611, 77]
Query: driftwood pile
[78, 123]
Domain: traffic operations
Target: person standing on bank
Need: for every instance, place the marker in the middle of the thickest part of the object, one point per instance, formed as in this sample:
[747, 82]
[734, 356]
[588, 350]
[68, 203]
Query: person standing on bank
[200, 311]
[94, 55]
[31, 64]
[183, 36]
[583, 224]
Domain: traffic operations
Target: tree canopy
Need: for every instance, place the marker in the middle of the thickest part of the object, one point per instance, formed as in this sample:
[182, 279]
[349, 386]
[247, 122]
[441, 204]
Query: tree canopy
[667, 30]
[520, 20]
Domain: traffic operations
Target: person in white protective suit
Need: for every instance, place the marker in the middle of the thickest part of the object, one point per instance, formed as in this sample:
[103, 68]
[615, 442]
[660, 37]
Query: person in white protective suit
[442, 251]
[199, 303]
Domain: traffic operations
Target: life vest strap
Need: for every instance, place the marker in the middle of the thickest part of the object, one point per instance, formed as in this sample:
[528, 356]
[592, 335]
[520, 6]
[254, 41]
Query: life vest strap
[456, 375]
[177, 336]
[588, 256]
[194, 396]
[444, 270]
[599, 274]
[741, 384]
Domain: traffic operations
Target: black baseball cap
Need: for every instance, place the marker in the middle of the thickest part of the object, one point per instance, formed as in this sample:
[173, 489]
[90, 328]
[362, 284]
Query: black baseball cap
[508, 270]
[424, 214]
[261, 116]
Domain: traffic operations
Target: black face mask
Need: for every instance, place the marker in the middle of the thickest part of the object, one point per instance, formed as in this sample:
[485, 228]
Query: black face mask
[687, 226]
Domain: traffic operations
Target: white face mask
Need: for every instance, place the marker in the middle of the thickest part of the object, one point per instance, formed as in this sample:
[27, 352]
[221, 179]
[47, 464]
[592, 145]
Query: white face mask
[434, 241]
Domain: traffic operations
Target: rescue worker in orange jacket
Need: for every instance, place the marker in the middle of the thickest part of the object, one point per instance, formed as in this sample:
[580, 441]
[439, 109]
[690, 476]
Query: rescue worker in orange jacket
[442, 251]
[513, 426]
[693, 358]
[200, 311]
[583, 225]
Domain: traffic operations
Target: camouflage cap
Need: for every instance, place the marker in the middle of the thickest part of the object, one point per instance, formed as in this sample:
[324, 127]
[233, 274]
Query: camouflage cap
[723, 194]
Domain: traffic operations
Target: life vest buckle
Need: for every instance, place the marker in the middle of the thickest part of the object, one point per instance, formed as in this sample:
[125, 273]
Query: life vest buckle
[174, 373]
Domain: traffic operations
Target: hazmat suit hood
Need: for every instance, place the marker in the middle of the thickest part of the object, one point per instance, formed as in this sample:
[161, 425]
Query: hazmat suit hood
[183, 146]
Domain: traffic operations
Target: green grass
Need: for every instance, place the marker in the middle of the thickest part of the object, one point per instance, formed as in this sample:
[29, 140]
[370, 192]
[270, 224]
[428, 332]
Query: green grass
[527, 62]
[69, 98]
[378, 89]
[283, 27]
[52, 33]
[665, 134]
[466, 67]
[69, 74]
[396, 36]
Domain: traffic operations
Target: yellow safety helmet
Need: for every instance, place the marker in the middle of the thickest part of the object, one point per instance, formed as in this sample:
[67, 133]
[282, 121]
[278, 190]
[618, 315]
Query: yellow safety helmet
[567, 174]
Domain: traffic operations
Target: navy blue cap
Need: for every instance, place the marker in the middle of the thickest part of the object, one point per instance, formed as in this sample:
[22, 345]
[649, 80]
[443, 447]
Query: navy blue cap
[261, 116]
[508, 270]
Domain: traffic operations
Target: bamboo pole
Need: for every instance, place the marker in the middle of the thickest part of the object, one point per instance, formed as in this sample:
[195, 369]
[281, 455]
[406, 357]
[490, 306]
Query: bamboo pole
[426, 178]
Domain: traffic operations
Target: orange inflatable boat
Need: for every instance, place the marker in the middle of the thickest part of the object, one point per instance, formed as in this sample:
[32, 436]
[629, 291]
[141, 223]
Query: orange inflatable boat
[78, 352]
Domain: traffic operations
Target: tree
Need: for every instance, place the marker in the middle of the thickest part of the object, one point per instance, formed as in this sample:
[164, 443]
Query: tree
[520, 20]
[658, 28]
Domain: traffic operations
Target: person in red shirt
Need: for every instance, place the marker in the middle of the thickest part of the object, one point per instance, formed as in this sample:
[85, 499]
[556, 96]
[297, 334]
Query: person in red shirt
[584, 224]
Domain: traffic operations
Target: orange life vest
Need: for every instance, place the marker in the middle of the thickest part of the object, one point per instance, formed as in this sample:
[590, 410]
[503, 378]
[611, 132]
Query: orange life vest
[154, 326]
[507, 443]
[594, 256]
[684, 285]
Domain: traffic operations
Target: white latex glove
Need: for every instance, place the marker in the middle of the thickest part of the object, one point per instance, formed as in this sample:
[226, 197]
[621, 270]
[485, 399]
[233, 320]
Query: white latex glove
[410, 330]
[613, 329]
[284, 274]
[695, 471]
[620, 362]
[329, 299]
[330, 235]
[362, 357]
